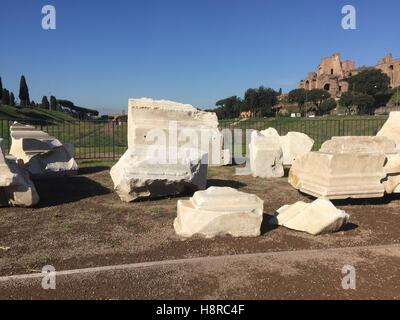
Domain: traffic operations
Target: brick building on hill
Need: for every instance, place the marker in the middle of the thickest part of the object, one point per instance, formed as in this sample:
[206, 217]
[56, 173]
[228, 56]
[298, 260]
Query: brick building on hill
[332, 74]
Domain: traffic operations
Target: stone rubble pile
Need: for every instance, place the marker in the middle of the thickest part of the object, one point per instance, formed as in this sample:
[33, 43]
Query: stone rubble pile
[44, 156]
[270, 152]
[16, 188]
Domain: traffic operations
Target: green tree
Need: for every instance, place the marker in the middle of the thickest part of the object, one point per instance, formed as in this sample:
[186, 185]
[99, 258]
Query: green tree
[229, 107]
[23, 92]
[316, 97]
[12, 99]
[5, 97]
[328, 105]
[370, 81]
[53, 103]
[298, 96]
[1, 89]
[347, 101]
[364, 102]
[260, 101]
[251, 100]
[45, 103]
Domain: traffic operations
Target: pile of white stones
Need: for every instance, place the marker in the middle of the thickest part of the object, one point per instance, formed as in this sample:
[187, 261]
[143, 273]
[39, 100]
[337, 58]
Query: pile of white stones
[270, 153]
[352, 167]
[33, 154]
[44, 156]
[226, 211]
[170, 146]
[16, 188]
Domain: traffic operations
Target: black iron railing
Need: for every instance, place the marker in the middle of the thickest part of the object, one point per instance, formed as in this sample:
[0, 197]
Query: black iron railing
[103, 139]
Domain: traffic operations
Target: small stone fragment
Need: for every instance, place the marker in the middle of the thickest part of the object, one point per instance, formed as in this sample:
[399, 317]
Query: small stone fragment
[316, 218]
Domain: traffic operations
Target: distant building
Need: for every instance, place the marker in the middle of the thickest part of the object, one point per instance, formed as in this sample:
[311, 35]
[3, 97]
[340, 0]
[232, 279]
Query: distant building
[332, 74]
[246, 114]
[391, 67]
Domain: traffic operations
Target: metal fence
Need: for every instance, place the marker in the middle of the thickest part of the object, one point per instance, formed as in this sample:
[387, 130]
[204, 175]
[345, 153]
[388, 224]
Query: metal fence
[103, 139]
[95, 139]
[319, 129]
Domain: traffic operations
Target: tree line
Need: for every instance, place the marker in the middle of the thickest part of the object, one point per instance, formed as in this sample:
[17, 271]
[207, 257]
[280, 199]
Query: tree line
[7, 98]
[259, 101]
[368, 90]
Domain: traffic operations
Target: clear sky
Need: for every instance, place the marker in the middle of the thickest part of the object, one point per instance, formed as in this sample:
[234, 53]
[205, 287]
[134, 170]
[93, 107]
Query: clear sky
[192, 51]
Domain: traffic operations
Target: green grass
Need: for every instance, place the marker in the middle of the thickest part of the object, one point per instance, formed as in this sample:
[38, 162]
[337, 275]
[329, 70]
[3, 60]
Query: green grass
[91, 139]
[396, 97]
[34, 114]
[104, 139]
[320, 128]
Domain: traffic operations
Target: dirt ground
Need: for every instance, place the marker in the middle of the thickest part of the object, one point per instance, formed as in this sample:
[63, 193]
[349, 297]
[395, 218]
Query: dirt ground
[81, 223]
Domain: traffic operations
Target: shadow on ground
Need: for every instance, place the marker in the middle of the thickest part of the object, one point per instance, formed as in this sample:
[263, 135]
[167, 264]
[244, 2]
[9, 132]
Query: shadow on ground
[90, 170]
[372, 201]
[265, 226]
[65, 190]
[349, 226]
[225, 183]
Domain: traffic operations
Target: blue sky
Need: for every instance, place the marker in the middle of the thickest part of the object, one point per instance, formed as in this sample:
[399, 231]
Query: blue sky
[193, 51]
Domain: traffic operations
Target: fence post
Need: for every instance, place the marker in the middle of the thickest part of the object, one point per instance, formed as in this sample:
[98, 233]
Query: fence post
[113, 139]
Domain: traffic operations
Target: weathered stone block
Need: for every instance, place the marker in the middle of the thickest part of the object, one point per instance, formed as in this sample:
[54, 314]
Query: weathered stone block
[391, 128]
[315, 218]
[175, 124]
[371, 144]
[359, 144]
[16, 188]
[294, 145]
[339, 175]
[266, 156]
[44, 156]
[143, 173]
[219, 211]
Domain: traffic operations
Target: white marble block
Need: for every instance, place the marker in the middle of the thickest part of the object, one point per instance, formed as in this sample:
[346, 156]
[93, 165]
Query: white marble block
[315, 218]
[44, 156]
[16, 188]
[219, 211]
[141, 174]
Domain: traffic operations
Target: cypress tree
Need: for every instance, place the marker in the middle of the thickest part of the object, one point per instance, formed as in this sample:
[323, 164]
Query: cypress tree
[53, 103]
[5, 98]
[45, 103]
[12, 99]
[23, 92]
[1, 89]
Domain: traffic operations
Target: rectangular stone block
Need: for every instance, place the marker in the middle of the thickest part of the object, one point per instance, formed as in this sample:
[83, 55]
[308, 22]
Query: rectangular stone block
[339, 176]
[219, 211]
[266, 156]
[174, 124]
